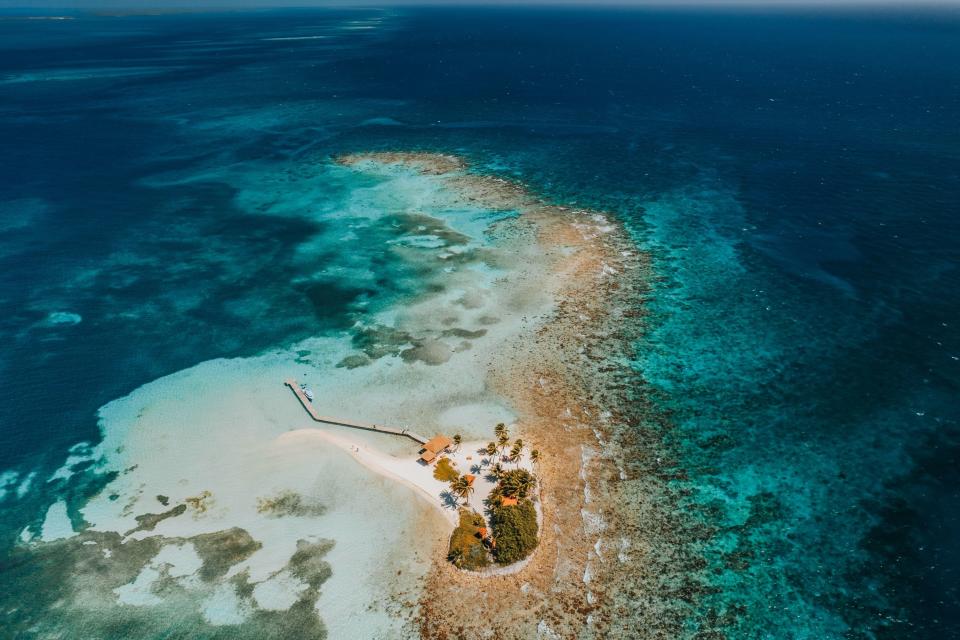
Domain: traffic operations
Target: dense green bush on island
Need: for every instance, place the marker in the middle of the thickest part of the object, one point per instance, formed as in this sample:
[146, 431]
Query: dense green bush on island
[515, 530]
[466, 547]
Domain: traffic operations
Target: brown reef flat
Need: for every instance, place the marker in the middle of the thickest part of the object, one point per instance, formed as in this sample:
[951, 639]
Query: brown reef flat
[610, 561]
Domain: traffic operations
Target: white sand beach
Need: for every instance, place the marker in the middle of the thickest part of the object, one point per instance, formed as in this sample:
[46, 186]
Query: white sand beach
[469, 458]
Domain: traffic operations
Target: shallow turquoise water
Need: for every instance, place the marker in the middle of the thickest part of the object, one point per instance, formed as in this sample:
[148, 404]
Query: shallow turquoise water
[164, 201]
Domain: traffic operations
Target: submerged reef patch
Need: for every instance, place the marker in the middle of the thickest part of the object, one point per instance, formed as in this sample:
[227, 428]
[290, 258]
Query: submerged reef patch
[290, 503]
[378, 341]
[354, 361]
[77, 583]
[148, 521]
[432, 352]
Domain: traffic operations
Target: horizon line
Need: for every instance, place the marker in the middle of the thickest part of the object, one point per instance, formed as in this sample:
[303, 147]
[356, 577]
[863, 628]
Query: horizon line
[155, 5]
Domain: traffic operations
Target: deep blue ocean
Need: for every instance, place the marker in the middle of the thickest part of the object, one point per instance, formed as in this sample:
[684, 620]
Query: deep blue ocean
[795, 175]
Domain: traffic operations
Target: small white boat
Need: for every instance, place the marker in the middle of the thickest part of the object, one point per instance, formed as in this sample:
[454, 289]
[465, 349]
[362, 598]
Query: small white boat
[307, 392]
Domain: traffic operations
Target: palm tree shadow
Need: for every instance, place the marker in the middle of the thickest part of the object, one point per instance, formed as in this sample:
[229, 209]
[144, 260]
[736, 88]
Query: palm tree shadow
[449, 499]
[489, 505]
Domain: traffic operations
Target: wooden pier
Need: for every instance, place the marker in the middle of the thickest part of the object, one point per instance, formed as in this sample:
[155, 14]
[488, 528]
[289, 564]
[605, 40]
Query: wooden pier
[379, 428]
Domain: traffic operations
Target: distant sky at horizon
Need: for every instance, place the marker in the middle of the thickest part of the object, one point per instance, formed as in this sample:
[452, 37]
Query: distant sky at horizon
[221, 4]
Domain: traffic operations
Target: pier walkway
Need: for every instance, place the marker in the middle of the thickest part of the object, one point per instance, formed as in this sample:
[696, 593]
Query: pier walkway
[297, 391]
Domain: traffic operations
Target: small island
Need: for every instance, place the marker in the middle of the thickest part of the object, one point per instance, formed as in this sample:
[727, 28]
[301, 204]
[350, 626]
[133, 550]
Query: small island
[506, 533]
[500, 475]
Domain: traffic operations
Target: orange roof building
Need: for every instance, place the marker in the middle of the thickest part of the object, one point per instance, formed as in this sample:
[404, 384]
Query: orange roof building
[469, 478]
[508, 502]
[433, 447]
[437, 443]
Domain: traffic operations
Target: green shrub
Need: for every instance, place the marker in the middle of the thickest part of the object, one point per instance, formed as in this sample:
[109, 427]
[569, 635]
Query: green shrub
[515, 530]
[466, 549]
[445, 471]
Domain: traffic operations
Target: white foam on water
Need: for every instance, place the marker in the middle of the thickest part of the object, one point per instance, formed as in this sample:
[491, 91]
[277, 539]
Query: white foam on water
[24, 487]
[75, 75]
[277, 39]
[61, 318]
[79, 453]
[7, 479]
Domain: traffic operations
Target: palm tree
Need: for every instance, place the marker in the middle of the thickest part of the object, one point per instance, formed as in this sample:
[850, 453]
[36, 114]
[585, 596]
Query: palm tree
[454, 484]
[500, 430]
[497, 470]
[457, 439]
[527, 484]
[516, 451]
[535, 457]
[491, 450]
[509, 485]
[495, 497]
[462, 488]
[504, 441]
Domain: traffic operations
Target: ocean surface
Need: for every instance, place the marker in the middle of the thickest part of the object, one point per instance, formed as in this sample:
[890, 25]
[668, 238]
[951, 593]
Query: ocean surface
[167, 199]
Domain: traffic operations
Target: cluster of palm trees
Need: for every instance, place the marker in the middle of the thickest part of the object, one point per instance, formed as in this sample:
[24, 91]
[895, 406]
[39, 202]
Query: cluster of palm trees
[518, 483]
[500, 446]
[514, 483]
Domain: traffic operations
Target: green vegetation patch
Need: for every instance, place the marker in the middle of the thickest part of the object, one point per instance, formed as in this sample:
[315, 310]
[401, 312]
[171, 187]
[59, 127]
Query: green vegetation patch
[515, 530]
[445, 471]
[466, 547]
[517, 483]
